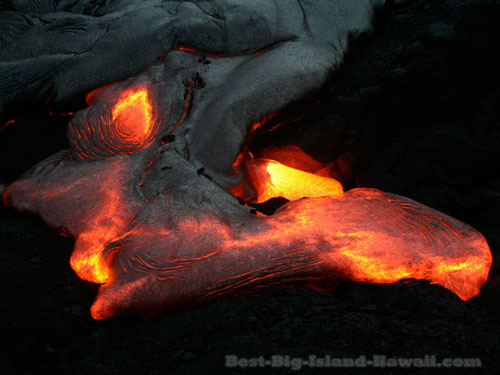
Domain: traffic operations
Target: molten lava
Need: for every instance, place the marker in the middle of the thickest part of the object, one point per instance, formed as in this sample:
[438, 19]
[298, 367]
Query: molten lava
[127, 126]
[361, 235]
[272, 179]
[158, 235]
[132, 116]
[91, 267]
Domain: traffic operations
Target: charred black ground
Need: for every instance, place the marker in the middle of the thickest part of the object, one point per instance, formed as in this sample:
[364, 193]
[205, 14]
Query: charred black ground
[415, 111]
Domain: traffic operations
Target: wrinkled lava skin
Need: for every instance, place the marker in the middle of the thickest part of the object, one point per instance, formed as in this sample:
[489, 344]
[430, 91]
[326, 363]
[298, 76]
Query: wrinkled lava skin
[145, 190]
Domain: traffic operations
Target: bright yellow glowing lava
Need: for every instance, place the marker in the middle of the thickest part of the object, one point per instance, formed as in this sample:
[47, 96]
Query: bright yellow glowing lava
[91, 267]
[132, 115]
[278, 180]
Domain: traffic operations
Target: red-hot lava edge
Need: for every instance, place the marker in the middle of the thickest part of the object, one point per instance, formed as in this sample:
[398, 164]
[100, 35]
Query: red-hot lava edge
[147, 266]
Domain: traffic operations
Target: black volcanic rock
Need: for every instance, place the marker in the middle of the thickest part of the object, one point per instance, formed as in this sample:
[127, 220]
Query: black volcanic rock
[51, 57]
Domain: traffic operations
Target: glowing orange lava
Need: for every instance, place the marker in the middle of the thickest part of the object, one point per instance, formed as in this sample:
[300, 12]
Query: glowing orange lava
[2, 128]
[132, 116]
[362, 235]
[107, 223]
[274, 179]
[152, 251]
[184, 48]
[91, 267]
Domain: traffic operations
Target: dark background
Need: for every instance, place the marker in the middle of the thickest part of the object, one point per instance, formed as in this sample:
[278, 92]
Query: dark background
[414, 111]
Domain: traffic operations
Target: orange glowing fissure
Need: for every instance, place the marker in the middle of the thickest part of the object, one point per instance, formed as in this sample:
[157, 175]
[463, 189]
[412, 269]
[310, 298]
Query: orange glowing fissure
[4, 126]
[132, 115]
[184, 48]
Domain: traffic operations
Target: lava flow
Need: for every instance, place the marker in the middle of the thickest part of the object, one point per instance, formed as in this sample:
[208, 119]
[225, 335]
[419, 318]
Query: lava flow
[102, 131]
[132, 116]
[157, 235]
[360, 235]
[372, 255]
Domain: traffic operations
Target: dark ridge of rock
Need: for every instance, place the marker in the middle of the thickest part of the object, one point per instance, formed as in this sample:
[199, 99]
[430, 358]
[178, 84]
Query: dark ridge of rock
[270, 206]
